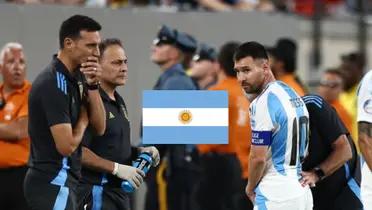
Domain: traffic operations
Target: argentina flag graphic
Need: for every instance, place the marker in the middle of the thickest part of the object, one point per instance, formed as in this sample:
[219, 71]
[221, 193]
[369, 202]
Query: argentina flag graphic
[185, 117]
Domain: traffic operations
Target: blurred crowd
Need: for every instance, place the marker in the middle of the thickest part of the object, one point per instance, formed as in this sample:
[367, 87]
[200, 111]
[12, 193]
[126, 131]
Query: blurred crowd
[301, 7]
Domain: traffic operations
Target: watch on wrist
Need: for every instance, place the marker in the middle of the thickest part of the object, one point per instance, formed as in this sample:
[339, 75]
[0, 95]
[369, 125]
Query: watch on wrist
[319, 172]
[94, 86]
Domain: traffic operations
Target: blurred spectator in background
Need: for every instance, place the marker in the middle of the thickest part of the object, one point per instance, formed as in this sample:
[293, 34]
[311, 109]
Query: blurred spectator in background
[14, 140]
[225, 166]
[284, 64]
[352, 67]
[173, 193]
[306, 7]
[330, 87]
[228, 5]
[204, 67]
[62, 2]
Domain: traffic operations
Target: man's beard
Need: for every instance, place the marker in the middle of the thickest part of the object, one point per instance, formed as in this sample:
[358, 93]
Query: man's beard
[252, 89]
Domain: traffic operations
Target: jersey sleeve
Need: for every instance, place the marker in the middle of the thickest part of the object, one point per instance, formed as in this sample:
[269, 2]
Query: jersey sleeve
[261, 123]
[365, 99]
[55, 101]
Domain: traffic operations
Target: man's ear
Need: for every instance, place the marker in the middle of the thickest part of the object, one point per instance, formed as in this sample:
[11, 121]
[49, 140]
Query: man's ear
[266, 65]
[68, 43]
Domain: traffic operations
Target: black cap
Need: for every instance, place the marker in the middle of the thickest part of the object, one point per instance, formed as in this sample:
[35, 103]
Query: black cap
[205, 52]
[166, 35]
[186, 43]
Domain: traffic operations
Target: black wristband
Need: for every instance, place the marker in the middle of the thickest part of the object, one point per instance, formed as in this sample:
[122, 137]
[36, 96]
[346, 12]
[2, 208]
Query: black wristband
[93, 87]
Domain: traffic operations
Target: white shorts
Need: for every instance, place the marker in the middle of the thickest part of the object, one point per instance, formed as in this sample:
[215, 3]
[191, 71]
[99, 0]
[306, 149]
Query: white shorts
[304, 202]
[366, 187]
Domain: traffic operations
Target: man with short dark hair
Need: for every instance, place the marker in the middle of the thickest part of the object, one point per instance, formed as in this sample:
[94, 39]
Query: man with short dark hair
[107, 159]
[279, 121]
[284, 64]
[332, 165]
[63, 100]
[352, 69]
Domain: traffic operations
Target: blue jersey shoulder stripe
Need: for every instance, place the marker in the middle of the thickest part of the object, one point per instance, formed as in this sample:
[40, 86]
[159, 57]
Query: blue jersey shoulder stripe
[61, 82]
[314, 97]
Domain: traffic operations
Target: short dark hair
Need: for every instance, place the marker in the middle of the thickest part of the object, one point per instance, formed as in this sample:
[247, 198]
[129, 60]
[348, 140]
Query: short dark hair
[286, 52]
[226, 57]
[356, 58]
[109, 42]
[251, 49]
[73, 25]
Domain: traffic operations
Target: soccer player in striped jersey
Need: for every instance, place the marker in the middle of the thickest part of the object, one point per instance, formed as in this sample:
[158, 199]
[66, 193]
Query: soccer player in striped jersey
[365, 136]
[279, 121]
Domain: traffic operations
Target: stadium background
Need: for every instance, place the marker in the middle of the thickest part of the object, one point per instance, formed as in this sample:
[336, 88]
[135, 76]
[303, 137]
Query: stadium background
[36, 27]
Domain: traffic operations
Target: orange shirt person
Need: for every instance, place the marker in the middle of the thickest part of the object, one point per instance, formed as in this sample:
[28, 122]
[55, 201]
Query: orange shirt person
[239, 125]
[344, 115]
[14, 141]
[225, 166]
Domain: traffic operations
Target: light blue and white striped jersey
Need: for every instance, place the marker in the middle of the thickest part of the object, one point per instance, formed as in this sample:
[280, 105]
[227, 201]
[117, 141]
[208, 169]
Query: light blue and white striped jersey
[280, 120]
[365, 115]
[365, 98]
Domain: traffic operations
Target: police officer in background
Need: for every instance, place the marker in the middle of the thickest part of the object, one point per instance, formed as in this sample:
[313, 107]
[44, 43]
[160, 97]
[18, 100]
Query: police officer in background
[107, 159]
[189, 50]
[167, 53]
[204, 67]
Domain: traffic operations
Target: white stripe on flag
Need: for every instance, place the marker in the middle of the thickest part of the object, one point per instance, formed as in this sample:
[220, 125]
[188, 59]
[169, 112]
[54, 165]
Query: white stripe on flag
[171, 117]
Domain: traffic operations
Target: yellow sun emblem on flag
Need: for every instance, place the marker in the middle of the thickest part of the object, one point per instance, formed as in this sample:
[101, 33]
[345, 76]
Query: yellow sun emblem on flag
[185, 116]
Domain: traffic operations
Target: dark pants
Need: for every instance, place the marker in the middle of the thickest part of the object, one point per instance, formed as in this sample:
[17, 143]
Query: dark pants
[181, 189]
[220, 182]
[97, 197]
[346, 200]
[152, 198]
[42, 195]
[11, 188]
